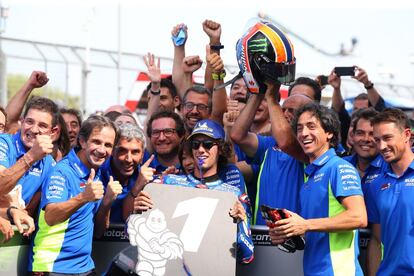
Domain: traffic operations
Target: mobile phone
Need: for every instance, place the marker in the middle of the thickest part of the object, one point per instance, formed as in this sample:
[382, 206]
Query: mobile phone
[323, 80]
[345, 71]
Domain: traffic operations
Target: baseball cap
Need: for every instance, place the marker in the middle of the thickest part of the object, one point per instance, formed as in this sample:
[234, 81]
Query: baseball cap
[208, 128]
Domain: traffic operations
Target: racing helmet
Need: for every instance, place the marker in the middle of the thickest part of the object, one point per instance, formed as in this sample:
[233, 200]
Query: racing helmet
[264, 52]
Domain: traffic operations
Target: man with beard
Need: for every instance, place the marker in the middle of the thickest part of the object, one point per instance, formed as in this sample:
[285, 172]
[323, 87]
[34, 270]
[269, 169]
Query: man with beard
[70, 199]
[73, 121]
[165, 131]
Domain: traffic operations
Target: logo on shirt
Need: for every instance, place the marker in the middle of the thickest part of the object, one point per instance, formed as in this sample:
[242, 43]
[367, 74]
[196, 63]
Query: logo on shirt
[82, 185]
[318, 177]
[370, 178]
[35, 172]
[409, 182]
[385, 186]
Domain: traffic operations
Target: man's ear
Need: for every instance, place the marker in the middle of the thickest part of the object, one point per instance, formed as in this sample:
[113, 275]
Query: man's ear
[407, 135]
[177, 101]
[330, 135]
[55, 133]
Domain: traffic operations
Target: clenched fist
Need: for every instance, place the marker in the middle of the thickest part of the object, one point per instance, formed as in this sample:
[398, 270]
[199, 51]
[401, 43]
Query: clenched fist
[191, 64]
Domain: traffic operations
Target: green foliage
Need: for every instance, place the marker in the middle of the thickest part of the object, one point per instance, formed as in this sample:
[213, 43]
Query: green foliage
[16, 81]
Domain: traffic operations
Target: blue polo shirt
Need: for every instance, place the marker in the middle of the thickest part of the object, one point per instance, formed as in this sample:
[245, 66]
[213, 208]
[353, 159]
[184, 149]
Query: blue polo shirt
[116, 209]
[374, 169]
[328, 178]
[391, 204]
[65, 247]
[11, 150]
[280, 178]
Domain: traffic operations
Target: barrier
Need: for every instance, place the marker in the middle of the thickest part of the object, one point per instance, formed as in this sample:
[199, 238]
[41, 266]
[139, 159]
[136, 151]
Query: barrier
[268, 259]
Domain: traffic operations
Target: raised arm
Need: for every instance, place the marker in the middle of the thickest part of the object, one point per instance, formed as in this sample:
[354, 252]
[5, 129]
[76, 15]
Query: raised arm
[213, 31]
[219, 96]
[9, 176]
[154, 74]
[15, 106]
[281, 129]
[240, 134]
[179, 37]
[373, 96]
[337, 100]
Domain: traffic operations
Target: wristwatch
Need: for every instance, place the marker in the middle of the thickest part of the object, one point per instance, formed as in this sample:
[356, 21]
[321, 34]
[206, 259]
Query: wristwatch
[155, 93]
[369, 85]
[217, 47]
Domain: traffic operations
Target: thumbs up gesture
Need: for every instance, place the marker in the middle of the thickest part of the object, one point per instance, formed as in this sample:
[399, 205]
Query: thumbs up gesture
[113, 189]
[214, 60]
[94, 190]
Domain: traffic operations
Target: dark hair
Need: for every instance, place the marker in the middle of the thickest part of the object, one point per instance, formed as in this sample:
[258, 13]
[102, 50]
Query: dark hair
[185, 146]
[112, 115]
[366, 114]
[166, 83]
[327, 118]
[43, 104]
[72, 111]
[199, 90]
[312, 84]
[225, 152]
[362, 96]
[2, 110]
[63, 142]
[179, 124]
[235, 79]
[95, 122]
[392, 115]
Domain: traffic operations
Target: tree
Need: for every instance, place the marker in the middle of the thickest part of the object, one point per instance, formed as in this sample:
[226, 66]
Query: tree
[16, 81]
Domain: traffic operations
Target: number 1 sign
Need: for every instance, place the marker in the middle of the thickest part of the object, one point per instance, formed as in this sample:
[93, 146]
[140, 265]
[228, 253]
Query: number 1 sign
[188, 232]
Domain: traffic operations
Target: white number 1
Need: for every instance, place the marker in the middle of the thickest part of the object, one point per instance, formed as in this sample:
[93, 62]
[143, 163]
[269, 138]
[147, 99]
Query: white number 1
[200, 210]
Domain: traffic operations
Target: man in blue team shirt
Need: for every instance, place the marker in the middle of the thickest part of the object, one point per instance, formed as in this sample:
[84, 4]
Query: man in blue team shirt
[212, 171]
[71, 198]
[277, 168]
[390, 197]
[123, 165]
[24, 156]
[331, 200]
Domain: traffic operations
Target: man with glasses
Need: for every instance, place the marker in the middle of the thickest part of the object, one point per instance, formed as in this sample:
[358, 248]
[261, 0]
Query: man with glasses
[165, 131]
[212, 171]
[196, 106]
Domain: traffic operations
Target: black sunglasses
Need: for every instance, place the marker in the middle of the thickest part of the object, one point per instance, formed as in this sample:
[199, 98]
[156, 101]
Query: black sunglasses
[207, 144]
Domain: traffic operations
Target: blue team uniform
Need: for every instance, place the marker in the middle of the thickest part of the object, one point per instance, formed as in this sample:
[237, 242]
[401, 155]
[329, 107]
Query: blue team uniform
[280, 178]
[228, 180]
[328, 178]
[116, 208]
[12, 149]
[374, 169]
[65, 247]
[390, 204]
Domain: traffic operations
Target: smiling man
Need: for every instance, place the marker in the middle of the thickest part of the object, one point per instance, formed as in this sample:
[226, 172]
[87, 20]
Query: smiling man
[390, 197]
[123, 165]
[334, 184]
[24, 156]
[70, 199]
[165, 130]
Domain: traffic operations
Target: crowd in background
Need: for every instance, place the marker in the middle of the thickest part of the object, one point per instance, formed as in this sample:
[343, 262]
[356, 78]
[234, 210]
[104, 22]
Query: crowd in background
[331, 172]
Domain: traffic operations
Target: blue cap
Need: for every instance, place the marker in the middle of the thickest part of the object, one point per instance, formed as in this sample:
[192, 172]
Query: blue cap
[208, 128]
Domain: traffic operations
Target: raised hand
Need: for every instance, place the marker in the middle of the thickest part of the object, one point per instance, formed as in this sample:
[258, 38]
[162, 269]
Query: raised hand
[334, 80]
[113, 189]
[179, 35]
[154, 71]
[191, 64]
[94, 190]
[361, 76]
[214, 60]
[42, 146]
[37, 79]
[213, 30]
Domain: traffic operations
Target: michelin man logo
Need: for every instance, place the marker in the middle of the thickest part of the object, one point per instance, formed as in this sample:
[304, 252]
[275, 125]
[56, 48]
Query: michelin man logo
[156, 243]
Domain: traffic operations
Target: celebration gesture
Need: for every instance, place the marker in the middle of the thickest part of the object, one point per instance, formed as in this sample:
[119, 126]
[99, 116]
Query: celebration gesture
[191, 64]
[213, 30]
[154, 71]
[94, 190]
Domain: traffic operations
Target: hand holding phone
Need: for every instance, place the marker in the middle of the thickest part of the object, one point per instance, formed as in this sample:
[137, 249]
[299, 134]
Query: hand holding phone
[345, 71]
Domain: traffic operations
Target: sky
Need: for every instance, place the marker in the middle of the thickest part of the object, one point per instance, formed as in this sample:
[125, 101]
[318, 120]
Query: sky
[383, 29]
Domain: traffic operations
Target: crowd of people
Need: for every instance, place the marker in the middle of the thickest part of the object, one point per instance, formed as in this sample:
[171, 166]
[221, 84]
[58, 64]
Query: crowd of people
[333, 173]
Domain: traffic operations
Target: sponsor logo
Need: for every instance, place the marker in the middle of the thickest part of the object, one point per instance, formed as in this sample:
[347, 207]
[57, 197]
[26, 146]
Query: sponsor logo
[82, 185]
[385, 186]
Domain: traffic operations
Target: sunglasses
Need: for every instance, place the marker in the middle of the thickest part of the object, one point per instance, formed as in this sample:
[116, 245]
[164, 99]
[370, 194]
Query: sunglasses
[207, 144]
